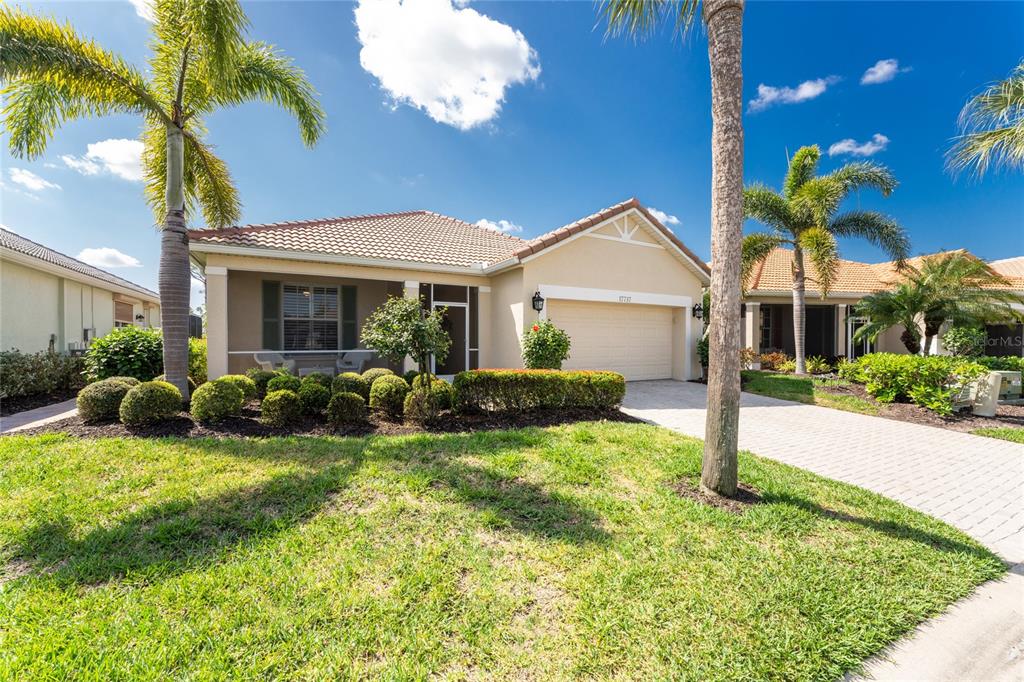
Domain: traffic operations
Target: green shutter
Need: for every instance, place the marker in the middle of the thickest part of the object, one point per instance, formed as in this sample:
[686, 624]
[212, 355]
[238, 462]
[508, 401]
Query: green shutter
[349, 335]
[271, 315]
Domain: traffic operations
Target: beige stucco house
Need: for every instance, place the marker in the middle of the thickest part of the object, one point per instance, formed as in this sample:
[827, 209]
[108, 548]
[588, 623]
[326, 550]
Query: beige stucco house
[619, 282]
[52, 301]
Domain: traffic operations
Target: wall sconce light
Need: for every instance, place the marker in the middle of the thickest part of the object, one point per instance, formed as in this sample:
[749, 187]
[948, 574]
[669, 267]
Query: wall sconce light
[698, 311]
[140, 317]
[538, 302]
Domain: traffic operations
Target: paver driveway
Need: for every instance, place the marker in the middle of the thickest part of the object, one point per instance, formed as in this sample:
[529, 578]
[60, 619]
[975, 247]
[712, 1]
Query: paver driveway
[973, 483]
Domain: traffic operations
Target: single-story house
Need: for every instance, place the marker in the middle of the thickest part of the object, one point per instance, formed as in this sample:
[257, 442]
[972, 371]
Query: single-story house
[831, 321]
[619, 282]
[50, 301]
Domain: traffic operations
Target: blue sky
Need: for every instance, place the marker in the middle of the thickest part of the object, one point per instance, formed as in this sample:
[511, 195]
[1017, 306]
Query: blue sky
[567, 122]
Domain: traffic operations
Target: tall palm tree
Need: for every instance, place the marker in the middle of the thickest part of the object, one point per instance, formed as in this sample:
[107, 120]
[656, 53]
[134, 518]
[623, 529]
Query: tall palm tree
[723, 20]
[200, 61]
[954, 287]
[992, 128]
[803, 216]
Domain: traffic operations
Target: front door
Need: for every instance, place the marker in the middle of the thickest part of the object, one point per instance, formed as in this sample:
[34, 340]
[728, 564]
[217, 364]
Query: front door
[456, 324]
[855, 349]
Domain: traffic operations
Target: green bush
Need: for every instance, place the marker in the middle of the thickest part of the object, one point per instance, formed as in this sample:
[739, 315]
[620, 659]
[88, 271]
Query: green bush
[1004, 364]
[850, 371]
[126, 351]
[280, 408]
[930, 382]
[704, 351]
[545, 346]
[197, 360]
[817, 365]
[350, 382]
[150, 402]
[387, 394]
[215, 400]
[318, 378]
[410, 376]
[374, 373]
[314, 397]
[40, 373]
[101, 400]
[284, 382]
[346, 407]
[965, 342]
[243, 383]
[422, 405]
[261, 378]
[191, 383]
[513, 390]
[421, 380]
[789, 366]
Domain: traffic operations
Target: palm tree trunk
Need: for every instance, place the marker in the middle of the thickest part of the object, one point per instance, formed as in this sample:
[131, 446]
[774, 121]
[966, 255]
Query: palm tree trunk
[910, 342]
[175, 276]
[799, 311]
[931, 330]
[724, 20]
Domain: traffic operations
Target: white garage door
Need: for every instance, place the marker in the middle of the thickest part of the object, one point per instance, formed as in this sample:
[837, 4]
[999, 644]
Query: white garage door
[635, 340]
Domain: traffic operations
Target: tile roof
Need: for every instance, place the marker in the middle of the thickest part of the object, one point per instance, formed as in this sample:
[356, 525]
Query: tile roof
[15, 242]
[1009, 267]
[413, 236]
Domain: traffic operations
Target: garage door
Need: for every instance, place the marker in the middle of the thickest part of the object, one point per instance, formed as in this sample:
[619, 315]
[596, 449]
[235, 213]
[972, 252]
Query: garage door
[635, 340]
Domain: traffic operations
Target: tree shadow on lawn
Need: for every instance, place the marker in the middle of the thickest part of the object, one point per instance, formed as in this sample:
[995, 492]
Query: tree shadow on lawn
[178, 535]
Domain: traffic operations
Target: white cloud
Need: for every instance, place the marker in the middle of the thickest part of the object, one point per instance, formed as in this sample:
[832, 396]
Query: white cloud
[451, 61]
[877, 143]
[30, 180]
[7, 187]
[506, 226]
[883, 71]
[768, 95]
[144, 8]
[119, 157]
[108, 257]
[666, 219]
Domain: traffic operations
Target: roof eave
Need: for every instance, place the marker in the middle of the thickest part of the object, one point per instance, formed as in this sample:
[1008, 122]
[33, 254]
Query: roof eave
[29, 260]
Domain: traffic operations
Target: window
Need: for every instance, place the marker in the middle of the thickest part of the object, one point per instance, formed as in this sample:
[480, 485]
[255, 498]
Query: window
[122, 314]
[766, 326]
[310, 315]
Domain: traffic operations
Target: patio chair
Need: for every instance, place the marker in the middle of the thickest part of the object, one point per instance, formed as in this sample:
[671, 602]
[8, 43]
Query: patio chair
[269, 361]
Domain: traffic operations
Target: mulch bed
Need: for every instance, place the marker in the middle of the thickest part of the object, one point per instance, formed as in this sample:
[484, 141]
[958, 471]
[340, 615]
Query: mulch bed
[746, 496]
[9, 406]
[247, 424]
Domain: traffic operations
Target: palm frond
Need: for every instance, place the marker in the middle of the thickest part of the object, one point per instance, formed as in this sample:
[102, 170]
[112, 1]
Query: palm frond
[991, 128]
[212, 29]
[902, 306]
[214, 189]
[816, 200]
[879, 229]
[802, 167]
[820, 246]
[756, 248]
[35, 109]
[638, 19]
[864, 175]
[767, 206]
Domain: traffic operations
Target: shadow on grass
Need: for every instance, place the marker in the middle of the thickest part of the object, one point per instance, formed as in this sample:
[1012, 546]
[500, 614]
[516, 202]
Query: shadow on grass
[181, 534]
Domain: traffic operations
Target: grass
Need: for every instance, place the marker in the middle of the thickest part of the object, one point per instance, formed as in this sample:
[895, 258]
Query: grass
[544, 554]
[805, 390]
[1007, 433]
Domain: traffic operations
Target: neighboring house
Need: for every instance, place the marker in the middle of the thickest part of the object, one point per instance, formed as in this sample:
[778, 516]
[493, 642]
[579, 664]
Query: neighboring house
[1008, 339]
[621, 284]
[831, 321]
[51, 301]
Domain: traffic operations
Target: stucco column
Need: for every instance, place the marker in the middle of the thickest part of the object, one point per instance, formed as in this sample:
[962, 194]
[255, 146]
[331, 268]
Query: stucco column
[752, 327]
[483, 322]
[411, 290]
[216, 321]
[841, 330]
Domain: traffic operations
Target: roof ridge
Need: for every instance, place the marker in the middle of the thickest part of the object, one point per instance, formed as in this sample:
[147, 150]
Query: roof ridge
[255, 227]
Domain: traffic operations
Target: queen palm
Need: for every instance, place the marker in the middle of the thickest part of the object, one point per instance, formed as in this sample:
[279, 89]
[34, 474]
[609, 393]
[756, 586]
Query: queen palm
[723, 20]
[803, 216]
[992, 128]
[200, 62]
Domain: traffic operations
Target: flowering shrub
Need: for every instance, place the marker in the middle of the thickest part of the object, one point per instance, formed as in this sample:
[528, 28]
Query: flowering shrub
[545, 346]
[748, 357]
[510, 390]
[772, 359]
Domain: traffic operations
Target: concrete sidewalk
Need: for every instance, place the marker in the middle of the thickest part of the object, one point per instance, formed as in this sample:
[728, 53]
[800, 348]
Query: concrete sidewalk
[38, 416]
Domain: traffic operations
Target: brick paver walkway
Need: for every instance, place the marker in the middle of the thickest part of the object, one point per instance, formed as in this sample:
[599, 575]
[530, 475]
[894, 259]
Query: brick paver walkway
[973, 483]
[38, 416]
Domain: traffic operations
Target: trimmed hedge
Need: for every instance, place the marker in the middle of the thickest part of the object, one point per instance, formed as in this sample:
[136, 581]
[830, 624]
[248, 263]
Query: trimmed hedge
[387, 394]
[423, 405]
[931, 381]
[350, 382]
[318, 378]
[243, 383]
[284, 382]
[38, 373]
[215, 400]
[1004, 364]
[261, 378]
[515, 390]
[374, 373]
[280, 408]
[150, 402]
[346, 408]
[314, 397]
[191, 382]
[102, 399]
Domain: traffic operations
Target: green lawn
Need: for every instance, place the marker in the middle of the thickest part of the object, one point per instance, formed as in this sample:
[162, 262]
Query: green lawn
[805, 390]
[523, 554]
[1008, 433]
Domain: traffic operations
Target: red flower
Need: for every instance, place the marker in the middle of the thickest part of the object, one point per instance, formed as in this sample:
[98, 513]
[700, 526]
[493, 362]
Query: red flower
[536, 328]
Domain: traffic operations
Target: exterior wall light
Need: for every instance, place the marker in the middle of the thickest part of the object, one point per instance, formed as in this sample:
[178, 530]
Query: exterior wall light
[698, 311]
[538, 302]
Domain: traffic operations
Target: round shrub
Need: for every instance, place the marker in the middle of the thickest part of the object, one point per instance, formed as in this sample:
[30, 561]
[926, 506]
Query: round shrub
[423, 405]
[387, 394]
[422, 379]
[215, 400]
[410, 376]
[126, 351]
[260, 377]
[314, 397]
[318, 378]
[346, 408]
[102, 399]
[243, 383]
[131, 381]
[150, 402]
[283, 382]
[280, 408]
[191, 382]
[545, 346]
[374, 373]
[350, 382]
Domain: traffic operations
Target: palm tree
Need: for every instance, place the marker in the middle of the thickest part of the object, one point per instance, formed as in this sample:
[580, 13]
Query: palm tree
[954, 287]
[803, 216]
[200, 62]
[992, 128]
[723, 20]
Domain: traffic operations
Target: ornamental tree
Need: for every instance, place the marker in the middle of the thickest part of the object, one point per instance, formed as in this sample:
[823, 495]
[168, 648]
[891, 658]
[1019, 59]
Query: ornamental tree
[401, 327]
